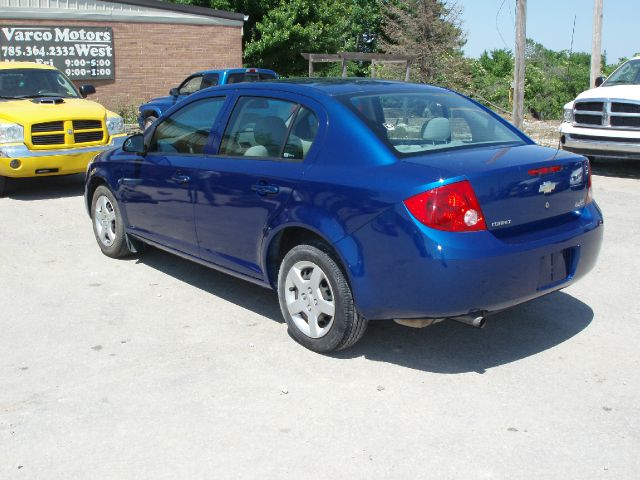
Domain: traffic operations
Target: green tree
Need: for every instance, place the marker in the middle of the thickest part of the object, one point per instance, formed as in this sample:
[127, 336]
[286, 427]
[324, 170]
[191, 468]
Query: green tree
[254, 9]
[431, 31]
[277, 31]
[316, 26]
[491, 79]
[552, 78]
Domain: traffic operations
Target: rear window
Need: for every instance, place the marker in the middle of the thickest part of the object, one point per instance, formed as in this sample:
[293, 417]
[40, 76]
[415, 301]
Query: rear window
[415, 123]
[249, 77]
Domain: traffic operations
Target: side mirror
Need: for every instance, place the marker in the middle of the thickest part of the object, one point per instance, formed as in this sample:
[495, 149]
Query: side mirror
[600, 81]
[174, 92]
[86, 90]
[135, 144]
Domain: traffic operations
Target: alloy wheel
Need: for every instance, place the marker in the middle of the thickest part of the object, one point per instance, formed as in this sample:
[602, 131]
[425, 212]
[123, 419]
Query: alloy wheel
[104, 218]
[309, 299]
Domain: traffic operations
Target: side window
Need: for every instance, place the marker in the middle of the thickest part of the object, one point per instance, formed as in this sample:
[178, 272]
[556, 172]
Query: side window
[303, 132]
[191, 85]
[187, 130]
[209, 80]
[258, 127]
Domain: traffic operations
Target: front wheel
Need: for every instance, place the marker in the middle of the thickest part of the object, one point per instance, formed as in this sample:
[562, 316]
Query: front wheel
[3, 185]
[108, 225]
[316, 300]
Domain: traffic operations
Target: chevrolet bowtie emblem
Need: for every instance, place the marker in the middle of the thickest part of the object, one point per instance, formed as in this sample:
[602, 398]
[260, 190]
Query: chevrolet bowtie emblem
[547, 187]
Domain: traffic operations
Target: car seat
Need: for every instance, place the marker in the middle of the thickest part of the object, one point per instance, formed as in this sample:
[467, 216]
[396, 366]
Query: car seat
[437, 130]
[269, 133]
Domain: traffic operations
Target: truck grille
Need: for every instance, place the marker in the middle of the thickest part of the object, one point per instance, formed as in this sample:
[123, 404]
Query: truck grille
[56, 139]
[633, 122]
[85, 137]
[47, 127]
[86, 124]
[604, 139]
[607, 114]
[590, 106]
[625, 107]
[58, 132]
[588, 119]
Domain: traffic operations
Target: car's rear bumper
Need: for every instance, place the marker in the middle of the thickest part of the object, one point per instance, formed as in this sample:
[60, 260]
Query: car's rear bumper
[400, 269]
[51, 162]
[593, 142]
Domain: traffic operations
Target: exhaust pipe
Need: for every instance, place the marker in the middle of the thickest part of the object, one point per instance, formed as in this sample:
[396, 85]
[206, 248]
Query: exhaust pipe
[476, 321]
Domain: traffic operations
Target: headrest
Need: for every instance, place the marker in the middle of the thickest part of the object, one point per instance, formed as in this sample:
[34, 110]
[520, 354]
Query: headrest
[437, 130]
[270, 132]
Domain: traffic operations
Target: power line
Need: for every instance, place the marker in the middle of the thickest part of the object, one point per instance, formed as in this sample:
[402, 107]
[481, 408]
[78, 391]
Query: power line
[498, 28]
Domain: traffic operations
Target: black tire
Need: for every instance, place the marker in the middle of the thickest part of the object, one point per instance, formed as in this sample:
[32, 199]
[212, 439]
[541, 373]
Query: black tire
[346, 326]
[3, 185]
[148, 121]
[115, 247]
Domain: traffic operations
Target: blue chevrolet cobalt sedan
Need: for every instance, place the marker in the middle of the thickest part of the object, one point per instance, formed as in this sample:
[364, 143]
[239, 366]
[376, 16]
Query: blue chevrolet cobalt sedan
[356, 200]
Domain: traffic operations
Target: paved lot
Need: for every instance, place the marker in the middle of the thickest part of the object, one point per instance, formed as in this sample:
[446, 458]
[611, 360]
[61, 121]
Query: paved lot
[158, 368]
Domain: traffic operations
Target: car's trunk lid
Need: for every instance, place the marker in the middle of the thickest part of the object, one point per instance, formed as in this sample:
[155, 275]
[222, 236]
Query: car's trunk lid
[517, 185]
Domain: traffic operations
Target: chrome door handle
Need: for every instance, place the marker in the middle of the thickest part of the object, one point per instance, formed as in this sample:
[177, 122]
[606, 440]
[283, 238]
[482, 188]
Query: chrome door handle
[265, 189]
[181, 178]
[130, 181]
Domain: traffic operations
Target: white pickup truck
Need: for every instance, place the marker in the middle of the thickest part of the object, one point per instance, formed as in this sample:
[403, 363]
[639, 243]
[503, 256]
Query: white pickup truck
[605, 121]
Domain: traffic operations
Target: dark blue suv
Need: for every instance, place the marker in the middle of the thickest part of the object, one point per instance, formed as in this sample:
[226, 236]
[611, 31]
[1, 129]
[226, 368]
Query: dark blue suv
[150, 111]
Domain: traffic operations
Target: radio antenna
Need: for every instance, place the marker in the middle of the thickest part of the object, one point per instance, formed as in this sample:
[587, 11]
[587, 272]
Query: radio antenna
[573, 31]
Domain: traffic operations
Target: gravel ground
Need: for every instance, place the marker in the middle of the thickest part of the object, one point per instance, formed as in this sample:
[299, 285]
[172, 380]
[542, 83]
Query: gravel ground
[154, 367]
[544, 132]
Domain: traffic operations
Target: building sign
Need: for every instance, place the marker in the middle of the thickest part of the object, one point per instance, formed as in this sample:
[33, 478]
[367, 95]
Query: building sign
[80, 52]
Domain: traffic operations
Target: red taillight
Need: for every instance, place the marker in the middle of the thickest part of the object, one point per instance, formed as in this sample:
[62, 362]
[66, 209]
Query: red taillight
[545, 170]
[589, 197]
[452, 207]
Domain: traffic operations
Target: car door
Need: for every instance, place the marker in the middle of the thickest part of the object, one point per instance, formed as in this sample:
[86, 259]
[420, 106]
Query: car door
[157, 190]
[248, 182]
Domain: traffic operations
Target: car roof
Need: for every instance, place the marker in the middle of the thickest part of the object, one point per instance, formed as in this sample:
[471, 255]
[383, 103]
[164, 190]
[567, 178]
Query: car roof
[333, 86]
[236, 70]
[13, 65]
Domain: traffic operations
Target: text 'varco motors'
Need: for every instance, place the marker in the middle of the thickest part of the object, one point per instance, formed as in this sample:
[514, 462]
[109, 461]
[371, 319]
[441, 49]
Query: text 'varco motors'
[80, 52]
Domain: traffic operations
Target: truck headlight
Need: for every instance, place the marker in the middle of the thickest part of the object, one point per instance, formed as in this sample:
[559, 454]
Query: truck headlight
[115, 125]
[11, 133]
[567, 115]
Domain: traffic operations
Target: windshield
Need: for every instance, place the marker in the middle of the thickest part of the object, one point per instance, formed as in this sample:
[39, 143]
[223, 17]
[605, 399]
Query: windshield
[32, 83]
[627, 74]
[414, 123]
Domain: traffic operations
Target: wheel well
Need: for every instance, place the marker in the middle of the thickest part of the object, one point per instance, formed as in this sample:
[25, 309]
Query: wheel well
[95, 183]
[149, 113]
[288, 238]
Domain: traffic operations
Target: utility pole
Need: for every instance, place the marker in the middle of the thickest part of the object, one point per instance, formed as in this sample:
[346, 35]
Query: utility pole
[596, 43]
[518, 74]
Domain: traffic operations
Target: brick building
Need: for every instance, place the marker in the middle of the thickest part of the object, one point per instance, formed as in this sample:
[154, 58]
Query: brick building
[131, 50]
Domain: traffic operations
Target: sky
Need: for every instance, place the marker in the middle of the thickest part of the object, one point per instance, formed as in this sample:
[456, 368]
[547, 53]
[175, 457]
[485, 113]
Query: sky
[550, 22]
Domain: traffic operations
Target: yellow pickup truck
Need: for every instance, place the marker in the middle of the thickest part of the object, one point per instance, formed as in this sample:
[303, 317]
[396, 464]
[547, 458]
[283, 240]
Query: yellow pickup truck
[46, 125]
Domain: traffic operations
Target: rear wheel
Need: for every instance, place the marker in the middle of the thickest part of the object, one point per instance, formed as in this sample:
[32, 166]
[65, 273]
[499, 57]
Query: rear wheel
[3, 185]
[148, 121]
[316, 300]
[108, 226]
